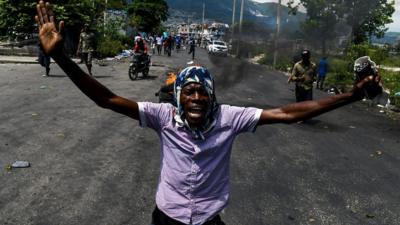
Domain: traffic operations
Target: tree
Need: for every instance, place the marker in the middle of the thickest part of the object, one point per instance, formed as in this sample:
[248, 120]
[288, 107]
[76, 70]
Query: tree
[365, 17]
[17, 16]
[147, 15]
[320, 22]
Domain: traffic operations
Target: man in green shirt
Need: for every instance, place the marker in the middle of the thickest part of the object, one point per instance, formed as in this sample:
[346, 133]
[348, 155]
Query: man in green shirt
[304, 73]
[85, 47]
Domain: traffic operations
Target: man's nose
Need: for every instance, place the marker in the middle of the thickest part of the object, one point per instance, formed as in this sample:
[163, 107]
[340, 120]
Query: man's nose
[196, 95]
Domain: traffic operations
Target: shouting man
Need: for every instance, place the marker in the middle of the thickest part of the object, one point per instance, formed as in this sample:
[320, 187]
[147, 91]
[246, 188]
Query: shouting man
[197, 135]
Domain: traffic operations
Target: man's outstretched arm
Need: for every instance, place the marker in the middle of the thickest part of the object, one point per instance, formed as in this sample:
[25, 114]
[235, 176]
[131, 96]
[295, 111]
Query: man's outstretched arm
[52, 44]
[308, 109]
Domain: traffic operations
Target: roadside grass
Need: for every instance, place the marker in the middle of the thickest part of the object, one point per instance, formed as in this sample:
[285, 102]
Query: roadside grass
[391, 82]
[392, 61]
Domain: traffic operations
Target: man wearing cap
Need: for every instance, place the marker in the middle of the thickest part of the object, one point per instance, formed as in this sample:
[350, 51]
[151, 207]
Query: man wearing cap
[303, 74]
[196, 136]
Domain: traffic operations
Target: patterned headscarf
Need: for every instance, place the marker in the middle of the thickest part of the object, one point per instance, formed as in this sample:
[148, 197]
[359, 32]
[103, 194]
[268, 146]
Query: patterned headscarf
[200, 75]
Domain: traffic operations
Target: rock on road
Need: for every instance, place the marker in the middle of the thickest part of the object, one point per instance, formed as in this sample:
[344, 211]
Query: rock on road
[93, 166]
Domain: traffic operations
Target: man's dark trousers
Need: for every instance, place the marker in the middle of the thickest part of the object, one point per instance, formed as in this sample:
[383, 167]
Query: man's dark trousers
[303, 94]
[160, 218]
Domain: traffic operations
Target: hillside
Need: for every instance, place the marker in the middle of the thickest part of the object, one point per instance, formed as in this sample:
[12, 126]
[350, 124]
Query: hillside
[221, 11]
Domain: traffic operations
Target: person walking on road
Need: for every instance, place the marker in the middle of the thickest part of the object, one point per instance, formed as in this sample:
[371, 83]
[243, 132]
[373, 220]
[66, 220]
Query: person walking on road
[196, 136]
[322, 71]
[168, 45]
[303, 74]
[44, 60]
[159, 43]
[192, 47]
[85, 46]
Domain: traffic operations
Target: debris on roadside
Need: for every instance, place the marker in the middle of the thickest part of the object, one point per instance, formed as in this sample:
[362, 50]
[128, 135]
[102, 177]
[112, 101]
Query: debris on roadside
[376, 154]
[43, 87]
[352, 127]
[124, 54]
[18, 164]
[311, 220]
[35, 114]
[369, 216]
[60, 135]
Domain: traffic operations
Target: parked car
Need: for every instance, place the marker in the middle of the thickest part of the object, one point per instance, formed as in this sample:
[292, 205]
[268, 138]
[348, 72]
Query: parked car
[217, 48]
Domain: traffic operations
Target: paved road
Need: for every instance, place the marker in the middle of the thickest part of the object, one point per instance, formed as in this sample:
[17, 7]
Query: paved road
[93, 166]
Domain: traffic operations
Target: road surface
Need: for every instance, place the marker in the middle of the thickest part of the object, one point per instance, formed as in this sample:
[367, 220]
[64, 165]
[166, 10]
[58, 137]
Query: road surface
[95, 167]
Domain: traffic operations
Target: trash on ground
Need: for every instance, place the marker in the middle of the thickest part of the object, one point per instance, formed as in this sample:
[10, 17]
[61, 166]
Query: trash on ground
[20, 164]
[43, 87]
[376, 154]
[61, 135]
[35, 114]
[369, 216]
[311, 220]
[381, 111]
[291, 217]
[352, 127]
[124, 54]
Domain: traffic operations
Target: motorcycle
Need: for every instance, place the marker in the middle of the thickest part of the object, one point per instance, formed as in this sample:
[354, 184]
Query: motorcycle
[140, 64]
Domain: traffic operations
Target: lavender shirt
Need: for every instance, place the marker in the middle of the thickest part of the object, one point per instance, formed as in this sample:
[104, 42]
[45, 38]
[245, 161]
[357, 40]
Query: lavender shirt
[194, 182]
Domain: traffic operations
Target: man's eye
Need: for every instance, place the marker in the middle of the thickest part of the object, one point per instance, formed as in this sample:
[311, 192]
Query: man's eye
[187, 92]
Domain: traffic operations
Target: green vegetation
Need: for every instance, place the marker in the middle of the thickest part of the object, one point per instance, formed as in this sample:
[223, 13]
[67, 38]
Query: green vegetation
[392, 61]
[17, 20]
[146, 15]
[109, 47]
[391, 81]
[326, 19]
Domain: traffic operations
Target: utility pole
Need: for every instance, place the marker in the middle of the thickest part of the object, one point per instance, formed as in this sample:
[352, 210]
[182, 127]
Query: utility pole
[233, 12]
[241, 17]
[105, 17]
[278, 27]
[202, 23]
[240, 29]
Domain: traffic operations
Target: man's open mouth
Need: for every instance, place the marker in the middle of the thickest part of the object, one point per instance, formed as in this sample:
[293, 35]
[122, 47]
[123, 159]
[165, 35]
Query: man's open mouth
[196, 112]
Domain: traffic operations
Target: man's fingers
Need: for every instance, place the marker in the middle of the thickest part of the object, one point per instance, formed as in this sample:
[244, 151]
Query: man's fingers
[377, 79]
[44, 14]
[38, 22]
[50, 12]
[39, 14]
[61, 27]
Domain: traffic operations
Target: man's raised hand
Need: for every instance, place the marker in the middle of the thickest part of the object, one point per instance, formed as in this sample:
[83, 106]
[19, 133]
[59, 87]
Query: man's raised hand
[50, 38]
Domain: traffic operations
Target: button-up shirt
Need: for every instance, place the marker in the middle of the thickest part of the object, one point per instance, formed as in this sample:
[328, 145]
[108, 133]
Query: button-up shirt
[306, 73]
[194, 181]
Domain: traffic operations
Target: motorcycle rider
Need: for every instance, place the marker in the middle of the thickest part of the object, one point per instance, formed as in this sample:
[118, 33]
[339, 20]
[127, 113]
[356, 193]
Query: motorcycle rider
[140, 50]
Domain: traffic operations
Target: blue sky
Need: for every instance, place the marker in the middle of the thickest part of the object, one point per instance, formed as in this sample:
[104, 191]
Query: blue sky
[395, 26]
